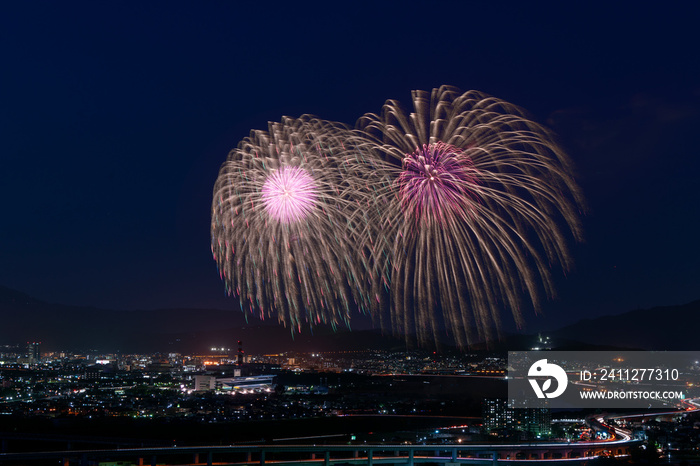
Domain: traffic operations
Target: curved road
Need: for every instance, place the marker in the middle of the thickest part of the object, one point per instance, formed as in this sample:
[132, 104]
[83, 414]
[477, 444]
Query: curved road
[687, 406]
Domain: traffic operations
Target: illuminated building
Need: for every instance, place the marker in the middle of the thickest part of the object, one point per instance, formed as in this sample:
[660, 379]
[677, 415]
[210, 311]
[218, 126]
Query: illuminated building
[33, 352]
[236, 384]
[204, 383]
[535, 421]
[499, 416]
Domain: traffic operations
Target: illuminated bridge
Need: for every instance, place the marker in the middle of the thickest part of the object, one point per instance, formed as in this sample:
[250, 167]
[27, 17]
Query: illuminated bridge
[334, 455]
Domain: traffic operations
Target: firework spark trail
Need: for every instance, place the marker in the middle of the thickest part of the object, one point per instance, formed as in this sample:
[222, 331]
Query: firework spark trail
[281, 230]
[475, 205]
[444, 216]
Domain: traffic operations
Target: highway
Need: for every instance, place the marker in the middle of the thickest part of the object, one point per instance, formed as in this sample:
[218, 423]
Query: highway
[366, 454]
[687, 406]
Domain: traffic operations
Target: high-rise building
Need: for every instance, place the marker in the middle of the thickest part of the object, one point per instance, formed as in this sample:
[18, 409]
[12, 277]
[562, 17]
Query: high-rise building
[239, 359]
[536, 421]
[500, 415]
[34, 352]
[497, 415]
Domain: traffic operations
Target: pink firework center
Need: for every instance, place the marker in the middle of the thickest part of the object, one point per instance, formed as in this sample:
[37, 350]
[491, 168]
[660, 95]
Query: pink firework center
[438, 181]
[289, 194]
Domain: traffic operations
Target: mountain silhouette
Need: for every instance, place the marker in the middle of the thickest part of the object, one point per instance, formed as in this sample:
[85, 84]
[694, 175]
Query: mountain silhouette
[663, 328]
[79, 328]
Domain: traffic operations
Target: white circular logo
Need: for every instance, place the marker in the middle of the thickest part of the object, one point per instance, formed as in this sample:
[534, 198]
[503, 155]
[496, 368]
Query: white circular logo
[541, 369]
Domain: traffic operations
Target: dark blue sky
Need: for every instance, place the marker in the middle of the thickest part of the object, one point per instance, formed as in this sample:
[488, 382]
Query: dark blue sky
[115, 118]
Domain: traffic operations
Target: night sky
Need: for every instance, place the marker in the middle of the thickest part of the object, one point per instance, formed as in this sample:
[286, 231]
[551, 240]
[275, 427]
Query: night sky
[115, 118]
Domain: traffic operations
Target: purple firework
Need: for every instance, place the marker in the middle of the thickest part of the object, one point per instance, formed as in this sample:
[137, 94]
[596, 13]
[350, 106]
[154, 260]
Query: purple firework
[477, 207]
[437, 183]
[289, 194]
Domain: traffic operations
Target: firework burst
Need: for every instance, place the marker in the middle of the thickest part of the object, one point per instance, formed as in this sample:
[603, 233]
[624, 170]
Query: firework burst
[289, 194]
[476, 207]
[281, 230]
[437, 184]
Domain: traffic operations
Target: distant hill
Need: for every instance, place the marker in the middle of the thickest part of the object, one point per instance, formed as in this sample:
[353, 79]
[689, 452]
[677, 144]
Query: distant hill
[671, 328]
[527, 342]
[24, 318]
